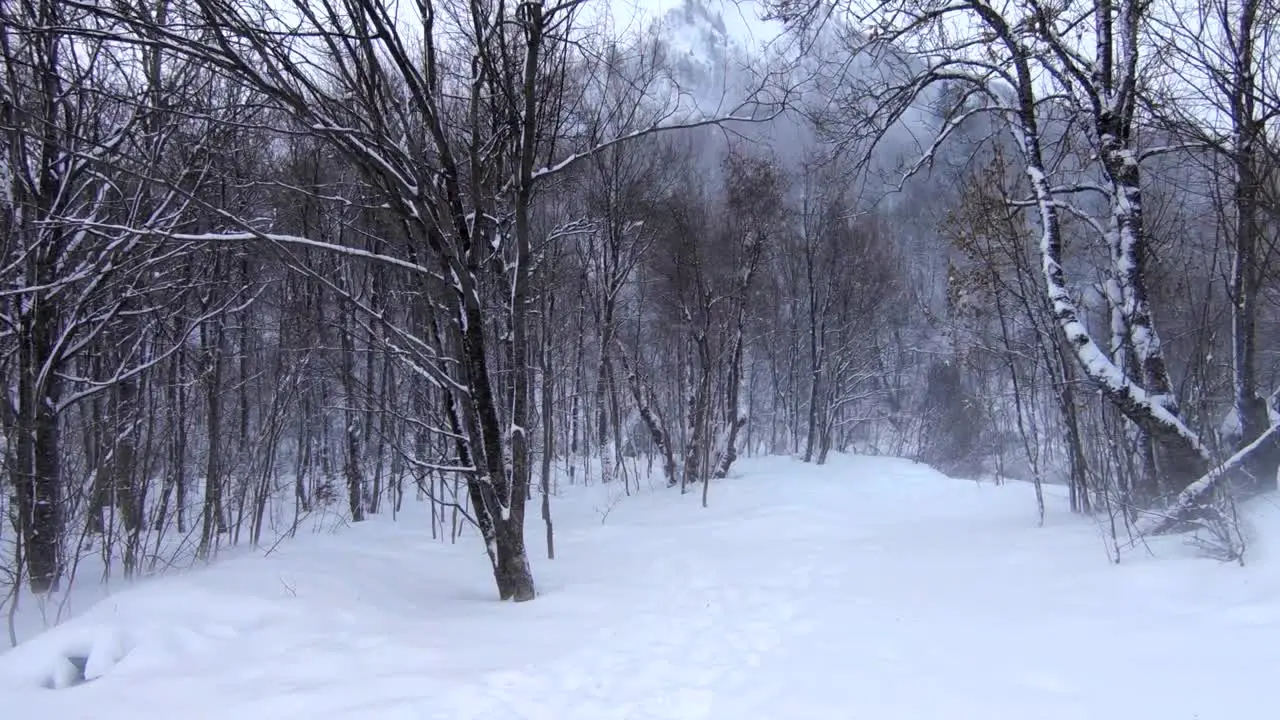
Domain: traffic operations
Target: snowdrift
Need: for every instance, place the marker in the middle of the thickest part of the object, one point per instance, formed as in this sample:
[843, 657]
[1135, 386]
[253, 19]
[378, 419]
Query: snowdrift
[869, 588]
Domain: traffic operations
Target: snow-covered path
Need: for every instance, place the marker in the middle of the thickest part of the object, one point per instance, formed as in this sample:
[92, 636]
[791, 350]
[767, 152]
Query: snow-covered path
[871, 588]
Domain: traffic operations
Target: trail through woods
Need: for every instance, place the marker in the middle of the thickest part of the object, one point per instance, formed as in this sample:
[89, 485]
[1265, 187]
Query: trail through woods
[868, 588]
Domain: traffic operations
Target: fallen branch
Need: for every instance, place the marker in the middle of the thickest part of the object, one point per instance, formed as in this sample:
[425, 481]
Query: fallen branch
[1194, 501]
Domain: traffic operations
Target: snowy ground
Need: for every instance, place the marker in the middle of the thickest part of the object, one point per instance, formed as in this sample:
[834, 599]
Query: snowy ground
[871, 588]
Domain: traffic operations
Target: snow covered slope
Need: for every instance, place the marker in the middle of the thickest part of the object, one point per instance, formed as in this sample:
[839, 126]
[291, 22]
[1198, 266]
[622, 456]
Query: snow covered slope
[870, 588]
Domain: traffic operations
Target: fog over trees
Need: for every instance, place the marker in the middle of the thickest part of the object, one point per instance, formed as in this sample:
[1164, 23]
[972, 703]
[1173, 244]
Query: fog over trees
[264, 261]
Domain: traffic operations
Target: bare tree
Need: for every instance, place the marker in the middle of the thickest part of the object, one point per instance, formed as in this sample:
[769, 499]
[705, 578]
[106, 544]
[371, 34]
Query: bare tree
[454, 115]
[1218, 67]
[1019, 67]
[83, 269]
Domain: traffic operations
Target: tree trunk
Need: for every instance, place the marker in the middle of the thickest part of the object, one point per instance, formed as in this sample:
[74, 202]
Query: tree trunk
[1079, 483]
[37, 475]
[646, 405]
[1251, 409]
[212, 520]
[733, 419]
[548, 421]
[351, 430]
[699, 411]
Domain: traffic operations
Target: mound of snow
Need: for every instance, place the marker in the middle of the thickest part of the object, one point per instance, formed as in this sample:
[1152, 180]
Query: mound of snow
[67, 656]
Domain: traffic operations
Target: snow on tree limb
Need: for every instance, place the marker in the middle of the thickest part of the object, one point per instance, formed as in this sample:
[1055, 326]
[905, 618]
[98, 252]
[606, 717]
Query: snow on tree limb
[575, 158]
[1195, 497]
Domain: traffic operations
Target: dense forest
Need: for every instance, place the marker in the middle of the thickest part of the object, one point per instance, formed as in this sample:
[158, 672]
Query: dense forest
[263, 260]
